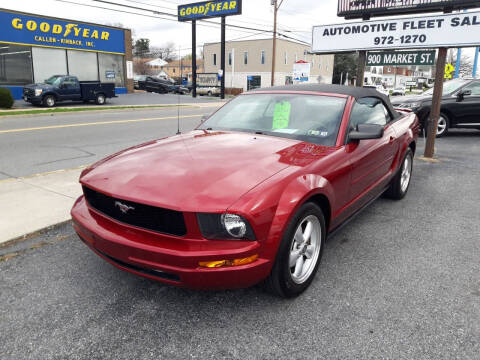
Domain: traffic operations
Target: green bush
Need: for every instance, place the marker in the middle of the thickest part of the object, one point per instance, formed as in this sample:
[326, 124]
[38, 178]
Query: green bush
[6, 98]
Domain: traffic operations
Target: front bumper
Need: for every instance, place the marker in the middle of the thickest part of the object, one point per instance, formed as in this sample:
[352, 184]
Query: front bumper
[169, 259]
[32, 99]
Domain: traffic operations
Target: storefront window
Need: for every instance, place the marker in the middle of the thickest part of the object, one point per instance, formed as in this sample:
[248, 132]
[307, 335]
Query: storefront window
[48, 62]
[83, 65]
[111, 69]
[15, 64]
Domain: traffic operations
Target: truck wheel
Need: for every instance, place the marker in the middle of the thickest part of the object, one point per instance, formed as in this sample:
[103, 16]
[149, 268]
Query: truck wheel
[49, 101]
[100, 100]
[209, 93]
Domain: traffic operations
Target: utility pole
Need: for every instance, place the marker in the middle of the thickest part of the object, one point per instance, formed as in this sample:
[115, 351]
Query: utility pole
[436, 103]
[276, 5]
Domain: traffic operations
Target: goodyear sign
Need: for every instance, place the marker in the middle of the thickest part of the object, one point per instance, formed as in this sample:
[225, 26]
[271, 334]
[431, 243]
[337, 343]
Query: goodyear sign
[23, 29]
[208, 9]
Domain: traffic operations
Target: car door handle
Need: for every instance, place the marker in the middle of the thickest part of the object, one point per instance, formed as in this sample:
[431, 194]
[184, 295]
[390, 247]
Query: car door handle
[392, 139]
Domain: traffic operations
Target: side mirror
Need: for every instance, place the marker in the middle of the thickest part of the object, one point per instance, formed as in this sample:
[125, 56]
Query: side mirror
[461, 95]
[366, 132]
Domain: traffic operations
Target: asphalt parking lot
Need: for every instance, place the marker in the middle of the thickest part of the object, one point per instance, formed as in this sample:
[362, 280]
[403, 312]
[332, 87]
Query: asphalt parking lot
[400, 281]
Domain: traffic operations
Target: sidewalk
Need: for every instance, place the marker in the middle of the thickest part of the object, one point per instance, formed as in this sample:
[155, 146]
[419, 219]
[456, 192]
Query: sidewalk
[32, 203]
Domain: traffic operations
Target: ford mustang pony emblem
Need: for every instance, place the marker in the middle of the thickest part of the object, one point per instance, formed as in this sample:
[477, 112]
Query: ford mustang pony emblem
[124, 208]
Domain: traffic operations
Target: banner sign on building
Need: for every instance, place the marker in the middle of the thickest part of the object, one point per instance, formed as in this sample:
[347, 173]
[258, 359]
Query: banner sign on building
[448, 30]
[351, 9]
[23, 29]
[208, 9]
[301, 71]
[401, 58]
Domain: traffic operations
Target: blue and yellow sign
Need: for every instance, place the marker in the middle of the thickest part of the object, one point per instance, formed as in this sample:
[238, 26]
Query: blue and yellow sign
[208, 9]
[23, 29]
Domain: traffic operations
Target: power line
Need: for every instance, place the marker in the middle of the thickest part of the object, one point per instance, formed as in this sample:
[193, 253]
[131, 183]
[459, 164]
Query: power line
[210, 24]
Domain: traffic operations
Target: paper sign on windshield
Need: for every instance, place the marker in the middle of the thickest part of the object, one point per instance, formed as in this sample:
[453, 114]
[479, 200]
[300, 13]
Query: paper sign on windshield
[281, 115]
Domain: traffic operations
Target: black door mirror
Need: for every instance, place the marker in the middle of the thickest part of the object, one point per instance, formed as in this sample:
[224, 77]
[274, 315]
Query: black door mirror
[366, 132]
[461, 95]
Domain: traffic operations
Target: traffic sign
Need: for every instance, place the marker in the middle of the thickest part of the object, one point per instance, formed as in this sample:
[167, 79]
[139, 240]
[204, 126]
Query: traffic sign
[449, 69]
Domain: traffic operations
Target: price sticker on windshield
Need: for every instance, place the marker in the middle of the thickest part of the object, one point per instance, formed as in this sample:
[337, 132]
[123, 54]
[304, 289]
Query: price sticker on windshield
[281, 115]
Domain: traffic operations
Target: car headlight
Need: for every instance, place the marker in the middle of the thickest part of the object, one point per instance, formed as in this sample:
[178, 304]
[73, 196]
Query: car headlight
[38, 92]
[412, 105]
[224, 226]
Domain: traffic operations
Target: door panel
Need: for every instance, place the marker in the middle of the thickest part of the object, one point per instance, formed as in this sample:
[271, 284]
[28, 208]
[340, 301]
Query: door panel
[371, 162]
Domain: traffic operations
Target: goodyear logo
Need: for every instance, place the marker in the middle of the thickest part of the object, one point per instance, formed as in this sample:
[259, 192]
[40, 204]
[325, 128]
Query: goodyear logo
[39, 31]
[56, 29]
[209, 9]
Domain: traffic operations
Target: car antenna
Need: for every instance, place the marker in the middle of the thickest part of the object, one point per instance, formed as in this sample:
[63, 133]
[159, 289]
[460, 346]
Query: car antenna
[178, 92]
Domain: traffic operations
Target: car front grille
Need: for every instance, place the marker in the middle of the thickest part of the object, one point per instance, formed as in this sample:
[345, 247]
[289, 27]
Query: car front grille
[28, 92]
[139, 215]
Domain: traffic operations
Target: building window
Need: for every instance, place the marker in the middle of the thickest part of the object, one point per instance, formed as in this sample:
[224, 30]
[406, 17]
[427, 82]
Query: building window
[108, 63]
[214, 59]
[83, 65]
[48, 62]
[15, 65]
[286, 58]
[245, 58]
[230, 58]
[262, 57]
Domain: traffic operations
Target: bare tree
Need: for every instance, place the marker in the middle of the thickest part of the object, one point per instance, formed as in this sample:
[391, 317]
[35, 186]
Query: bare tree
[140, 67]
[167, 52]
[466, 65]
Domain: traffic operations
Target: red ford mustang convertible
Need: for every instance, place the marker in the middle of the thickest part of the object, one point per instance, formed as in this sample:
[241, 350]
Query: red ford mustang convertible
[252, 193]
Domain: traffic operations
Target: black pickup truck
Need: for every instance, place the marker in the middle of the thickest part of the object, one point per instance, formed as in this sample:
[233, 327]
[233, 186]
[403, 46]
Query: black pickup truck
[67, 88]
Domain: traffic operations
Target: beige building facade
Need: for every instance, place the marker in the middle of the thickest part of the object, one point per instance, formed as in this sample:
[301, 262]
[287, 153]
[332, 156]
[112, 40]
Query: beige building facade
[248, 63]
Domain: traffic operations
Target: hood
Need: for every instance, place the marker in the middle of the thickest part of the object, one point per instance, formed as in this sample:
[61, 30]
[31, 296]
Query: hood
[38, 86]
[410, 99]
[198, 171]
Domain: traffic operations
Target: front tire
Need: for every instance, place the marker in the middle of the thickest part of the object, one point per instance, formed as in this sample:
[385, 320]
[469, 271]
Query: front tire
[49, 101]
[401, 182]
[299, 253]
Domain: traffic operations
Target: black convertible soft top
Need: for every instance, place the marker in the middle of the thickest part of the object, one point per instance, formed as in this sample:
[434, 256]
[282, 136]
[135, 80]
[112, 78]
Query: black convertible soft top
[356, 92]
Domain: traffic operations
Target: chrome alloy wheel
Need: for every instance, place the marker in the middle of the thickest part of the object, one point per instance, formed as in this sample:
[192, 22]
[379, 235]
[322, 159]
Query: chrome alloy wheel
[406, 173]
[441, 125]
[305, 249]
[50, 101]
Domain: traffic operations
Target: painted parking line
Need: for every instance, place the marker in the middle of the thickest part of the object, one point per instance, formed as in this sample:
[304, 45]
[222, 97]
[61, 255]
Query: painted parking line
[94, 123]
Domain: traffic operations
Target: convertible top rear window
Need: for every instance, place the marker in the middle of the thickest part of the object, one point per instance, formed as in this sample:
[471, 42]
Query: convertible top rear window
[309, 118]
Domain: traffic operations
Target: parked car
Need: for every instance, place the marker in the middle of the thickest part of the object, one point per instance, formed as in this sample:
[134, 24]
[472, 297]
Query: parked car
[460, 105]
[209, 91]
[379, 88]
[398, 91]
[153, 84]
[252, 194]
[59, 88]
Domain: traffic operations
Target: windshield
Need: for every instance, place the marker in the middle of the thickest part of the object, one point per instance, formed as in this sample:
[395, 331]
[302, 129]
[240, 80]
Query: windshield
[311, 118]
[449, 87]
[54, 80]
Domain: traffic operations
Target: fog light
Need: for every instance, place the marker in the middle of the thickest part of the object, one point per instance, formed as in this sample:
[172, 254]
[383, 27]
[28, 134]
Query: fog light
[234, 262]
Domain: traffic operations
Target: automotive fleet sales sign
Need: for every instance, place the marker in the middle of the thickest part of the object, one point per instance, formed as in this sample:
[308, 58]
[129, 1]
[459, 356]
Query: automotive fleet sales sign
[208, 9]
[401, 58]
[449, 30]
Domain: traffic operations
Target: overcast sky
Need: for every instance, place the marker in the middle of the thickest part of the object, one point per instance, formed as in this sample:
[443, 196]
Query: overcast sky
[296, 18]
